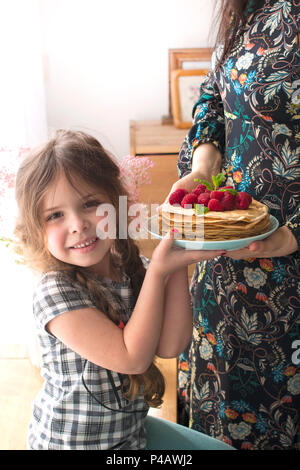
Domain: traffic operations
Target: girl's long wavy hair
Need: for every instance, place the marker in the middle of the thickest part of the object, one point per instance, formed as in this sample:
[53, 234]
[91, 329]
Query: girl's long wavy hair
[80, 156]
[231, 18]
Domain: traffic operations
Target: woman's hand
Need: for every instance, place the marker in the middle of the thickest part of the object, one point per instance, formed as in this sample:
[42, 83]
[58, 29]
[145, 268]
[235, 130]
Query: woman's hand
[281, 243]
[206, 162]
[186, 182]
[167, 258]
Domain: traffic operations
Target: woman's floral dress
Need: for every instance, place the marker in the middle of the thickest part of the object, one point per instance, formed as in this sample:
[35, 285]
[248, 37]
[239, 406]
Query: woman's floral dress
[239, 381]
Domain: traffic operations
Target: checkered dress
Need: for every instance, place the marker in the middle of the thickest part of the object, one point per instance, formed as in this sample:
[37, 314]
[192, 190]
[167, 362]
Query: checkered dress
[73, 410]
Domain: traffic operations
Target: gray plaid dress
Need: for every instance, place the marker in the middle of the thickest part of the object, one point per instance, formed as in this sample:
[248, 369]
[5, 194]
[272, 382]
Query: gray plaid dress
[80, 405]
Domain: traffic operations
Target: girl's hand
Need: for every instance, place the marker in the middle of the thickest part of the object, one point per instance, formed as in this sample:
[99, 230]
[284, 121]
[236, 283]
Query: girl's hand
[281, 243]
[168, 258]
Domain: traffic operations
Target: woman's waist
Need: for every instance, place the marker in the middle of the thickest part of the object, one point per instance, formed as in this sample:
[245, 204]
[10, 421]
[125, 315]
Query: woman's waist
[242, 133]
[266, 164]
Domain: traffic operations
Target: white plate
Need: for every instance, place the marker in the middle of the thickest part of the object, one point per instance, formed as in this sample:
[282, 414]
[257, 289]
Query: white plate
[228, 245]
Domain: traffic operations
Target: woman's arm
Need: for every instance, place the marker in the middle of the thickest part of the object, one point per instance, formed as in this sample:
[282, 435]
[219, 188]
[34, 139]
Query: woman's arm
[281, 243]
[208, 125]
[207, 161]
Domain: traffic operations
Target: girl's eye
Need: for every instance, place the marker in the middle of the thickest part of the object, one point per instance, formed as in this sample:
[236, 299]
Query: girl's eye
[91, 204]
[54, 216]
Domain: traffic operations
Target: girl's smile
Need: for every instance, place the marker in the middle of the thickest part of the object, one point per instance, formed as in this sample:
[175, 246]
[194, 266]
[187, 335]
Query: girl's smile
[85, 246]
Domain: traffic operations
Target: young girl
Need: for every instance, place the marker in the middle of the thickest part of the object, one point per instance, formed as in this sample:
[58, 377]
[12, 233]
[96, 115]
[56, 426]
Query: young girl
[102, 311]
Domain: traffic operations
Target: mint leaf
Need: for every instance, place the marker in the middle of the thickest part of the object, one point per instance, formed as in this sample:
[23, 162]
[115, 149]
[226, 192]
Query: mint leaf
[215, 181]
[231, 191]
[200, 209]
[220, 178]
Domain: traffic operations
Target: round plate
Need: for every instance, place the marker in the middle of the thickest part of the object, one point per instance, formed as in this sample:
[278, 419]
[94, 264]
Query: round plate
[228, 245]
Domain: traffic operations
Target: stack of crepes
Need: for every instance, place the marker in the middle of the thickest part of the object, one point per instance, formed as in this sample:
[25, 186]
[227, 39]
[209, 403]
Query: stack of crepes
[213, 225]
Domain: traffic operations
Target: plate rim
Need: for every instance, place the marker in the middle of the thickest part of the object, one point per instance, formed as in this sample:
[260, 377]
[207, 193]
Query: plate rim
[208, 243]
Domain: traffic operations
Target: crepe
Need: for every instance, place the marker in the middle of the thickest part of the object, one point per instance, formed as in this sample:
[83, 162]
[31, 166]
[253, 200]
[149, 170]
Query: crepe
[213, 225]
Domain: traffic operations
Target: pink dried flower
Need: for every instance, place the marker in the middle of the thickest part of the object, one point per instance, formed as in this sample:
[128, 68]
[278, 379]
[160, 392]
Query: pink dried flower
[9, 162]
[134, 173]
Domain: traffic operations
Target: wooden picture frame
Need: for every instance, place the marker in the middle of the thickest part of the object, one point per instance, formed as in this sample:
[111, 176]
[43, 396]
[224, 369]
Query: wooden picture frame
[185, 86]
[186, 59]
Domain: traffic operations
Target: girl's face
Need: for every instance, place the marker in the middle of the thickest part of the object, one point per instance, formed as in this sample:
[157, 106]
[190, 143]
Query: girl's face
[70, 222]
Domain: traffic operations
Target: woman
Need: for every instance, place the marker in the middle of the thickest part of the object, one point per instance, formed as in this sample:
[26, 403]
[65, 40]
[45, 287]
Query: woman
[239, 380]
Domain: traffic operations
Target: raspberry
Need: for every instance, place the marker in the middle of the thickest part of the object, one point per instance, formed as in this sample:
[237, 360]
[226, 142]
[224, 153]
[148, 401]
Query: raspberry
[177, 196]
[201, 188]
[228, 201]
[247, 196]
[189, 199]
[243, 200]
[215, 205]
[227, 187]
[217, 195]
[203, 199]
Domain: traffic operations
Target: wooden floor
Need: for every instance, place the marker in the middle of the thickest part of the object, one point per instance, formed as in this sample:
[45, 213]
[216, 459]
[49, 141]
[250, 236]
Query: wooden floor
[20, 381]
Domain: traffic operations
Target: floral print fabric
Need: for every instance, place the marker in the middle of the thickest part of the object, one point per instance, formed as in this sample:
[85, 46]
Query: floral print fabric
[239, 380]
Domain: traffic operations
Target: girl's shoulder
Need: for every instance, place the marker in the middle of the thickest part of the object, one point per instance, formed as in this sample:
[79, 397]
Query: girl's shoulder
[54, 294]
[51, 276]
[52, 281]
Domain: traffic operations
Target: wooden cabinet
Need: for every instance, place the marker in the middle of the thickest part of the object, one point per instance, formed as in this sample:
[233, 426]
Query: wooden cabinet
[161, 143]
[155, 138]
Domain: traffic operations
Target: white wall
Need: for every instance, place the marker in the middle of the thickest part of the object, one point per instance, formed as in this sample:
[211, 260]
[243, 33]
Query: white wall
[106, 61]
[22, 97]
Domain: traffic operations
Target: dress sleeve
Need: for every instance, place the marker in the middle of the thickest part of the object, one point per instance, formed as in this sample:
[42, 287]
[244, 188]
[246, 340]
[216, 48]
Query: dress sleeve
[208, 124]
[294, 225]
[55, 295]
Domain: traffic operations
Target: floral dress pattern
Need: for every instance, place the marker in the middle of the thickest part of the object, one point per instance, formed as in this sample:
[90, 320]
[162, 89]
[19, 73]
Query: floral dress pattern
[239, 380]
